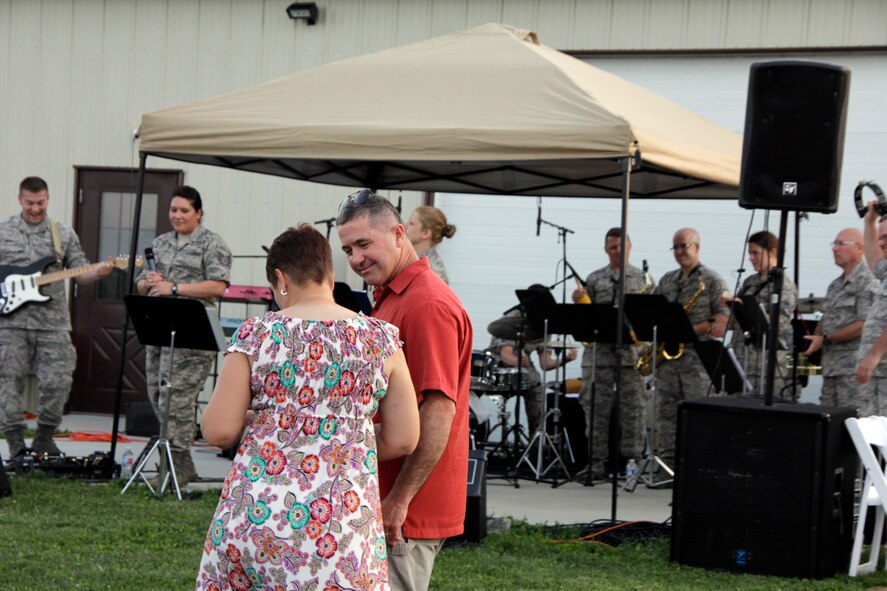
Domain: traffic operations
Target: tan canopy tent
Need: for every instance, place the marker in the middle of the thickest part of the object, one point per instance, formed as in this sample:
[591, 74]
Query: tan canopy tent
[488, 110]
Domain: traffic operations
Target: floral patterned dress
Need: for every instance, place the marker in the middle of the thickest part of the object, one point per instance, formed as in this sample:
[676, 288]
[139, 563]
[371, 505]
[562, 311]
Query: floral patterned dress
[300, 507]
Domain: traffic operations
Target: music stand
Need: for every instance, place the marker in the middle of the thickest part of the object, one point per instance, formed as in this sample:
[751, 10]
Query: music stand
[540, 307]
[656, 320]
[516, 329]
[722, 367]
[170, 322]
[590, 323]
[751, 319]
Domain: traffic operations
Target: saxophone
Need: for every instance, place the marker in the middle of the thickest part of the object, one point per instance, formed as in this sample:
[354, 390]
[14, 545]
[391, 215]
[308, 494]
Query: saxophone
[644, 364]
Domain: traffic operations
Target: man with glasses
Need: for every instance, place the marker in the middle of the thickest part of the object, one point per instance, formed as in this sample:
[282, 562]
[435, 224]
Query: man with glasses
[700, 291]
[848, 300]
[423, 495]
[871, 370]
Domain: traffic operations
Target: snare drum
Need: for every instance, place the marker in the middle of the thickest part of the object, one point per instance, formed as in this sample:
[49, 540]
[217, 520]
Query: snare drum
[506, 379]
[482, 364]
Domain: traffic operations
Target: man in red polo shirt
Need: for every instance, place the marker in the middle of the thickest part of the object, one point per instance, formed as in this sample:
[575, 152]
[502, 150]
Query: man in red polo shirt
[424, 494]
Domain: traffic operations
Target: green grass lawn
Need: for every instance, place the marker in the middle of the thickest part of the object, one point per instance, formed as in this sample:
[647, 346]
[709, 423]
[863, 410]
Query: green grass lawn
[64, 534]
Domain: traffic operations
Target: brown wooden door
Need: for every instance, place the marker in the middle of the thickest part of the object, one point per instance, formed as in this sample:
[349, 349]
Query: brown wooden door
[103, 221]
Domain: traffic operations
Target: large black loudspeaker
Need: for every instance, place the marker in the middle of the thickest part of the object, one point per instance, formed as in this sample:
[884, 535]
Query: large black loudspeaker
[794, 136]
[763, 489]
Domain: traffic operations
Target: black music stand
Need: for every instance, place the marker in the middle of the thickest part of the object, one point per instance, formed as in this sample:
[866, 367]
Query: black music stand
[170, 322]
[517, 329]
[722, 366]
[751, 319]
[592, 323]
[658, 321]
[540, 306]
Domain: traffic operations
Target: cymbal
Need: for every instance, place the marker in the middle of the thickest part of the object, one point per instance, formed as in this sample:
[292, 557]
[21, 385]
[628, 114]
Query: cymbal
[510, 327]
[810, 304]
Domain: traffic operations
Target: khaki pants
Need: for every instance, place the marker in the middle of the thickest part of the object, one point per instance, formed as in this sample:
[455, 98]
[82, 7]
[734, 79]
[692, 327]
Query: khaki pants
[410, 563]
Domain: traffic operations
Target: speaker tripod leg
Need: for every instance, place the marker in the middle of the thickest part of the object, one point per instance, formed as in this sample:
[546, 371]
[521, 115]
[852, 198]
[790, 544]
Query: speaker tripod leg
[152, 445]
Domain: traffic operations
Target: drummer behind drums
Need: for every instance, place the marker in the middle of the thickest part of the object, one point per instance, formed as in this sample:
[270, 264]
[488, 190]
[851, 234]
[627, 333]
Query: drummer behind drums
[530, 382]
[601, 286]
[847, 302]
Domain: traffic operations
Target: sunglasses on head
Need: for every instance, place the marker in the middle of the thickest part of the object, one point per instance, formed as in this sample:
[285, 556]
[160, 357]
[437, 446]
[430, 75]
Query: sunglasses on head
[356, 199]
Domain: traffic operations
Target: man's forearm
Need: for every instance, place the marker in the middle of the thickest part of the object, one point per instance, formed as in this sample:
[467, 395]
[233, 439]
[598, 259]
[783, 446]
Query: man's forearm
[435, 418]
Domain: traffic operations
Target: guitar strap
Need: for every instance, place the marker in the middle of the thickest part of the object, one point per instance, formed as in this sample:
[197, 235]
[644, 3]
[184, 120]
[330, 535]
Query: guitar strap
[56, 240]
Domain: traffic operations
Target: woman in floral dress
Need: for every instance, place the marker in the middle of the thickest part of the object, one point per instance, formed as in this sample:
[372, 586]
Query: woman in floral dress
[300, 507]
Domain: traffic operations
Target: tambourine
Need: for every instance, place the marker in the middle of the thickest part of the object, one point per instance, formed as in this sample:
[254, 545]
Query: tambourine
[861, 206]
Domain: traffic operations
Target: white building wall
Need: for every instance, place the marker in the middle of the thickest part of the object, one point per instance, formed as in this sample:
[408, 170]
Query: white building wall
[75, 76]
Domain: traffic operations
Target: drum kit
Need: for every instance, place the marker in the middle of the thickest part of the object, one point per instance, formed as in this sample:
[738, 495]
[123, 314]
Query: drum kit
[487, 378]
[492, 388]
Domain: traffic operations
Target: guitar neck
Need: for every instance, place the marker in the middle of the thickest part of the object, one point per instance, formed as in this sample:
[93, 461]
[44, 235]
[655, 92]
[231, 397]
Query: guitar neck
[67, 273]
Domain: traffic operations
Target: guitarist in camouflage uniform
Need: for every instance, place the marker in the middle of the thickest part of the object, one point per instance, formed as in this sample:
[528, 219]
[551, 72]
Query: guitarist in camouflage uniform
[36, 338]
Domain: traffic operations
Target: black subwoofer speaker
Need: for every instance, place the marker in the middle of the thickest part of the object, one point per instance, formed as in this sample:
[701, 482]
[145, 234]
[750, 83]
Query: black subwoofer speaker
[476, 499]
[794, 136]
[763, 489]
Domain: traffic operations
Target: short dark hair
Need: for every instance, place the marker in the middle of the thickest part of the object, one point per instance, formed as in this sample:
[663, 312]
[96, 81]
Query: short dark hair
[766, 240]
[303, 254]
[366, 201]
[32, 184]
[615, 233]
[191, 194]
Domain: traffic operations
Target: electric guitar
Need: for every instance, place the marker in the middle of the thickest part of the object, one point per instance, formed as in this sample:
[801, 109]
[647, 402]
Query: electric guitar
[20, 285]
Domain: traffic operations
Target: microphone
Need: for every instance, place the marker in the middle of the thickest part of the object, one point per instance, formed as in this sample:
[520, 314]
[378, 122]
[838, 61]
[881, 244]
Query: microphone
[538, 215]
[149, 258]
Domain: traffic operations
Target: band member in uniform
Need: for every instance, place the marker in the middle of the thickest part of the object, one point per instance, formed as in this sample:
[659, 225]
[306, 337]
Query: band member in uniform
[193, 262]
[601, 287]
[36, 338]
[762, 253]
[848, 301]
[700, 290]
[426, 228]
[871, 370]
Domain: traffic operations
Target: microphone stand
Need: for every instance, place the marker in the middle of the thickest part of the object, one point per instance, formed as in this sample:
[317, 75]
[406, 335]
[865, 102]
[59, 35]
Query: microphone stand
[330, 222]
[563, 231]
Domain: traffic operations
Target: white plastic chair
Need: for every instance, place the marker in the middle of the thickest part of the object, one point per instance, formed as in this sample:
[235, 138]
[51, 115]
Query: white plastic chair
[866, 433]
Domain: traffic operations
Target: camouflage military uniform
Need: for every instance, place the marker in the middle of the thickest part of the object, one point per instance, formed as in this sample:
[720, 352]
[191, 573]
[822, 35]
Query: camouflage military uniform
[846, 301]
[685, 378]
[873, 396]
[601, 286]
[749, 355]
[437, 264]
[37, 337]
[531, 380]
[205, 256]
